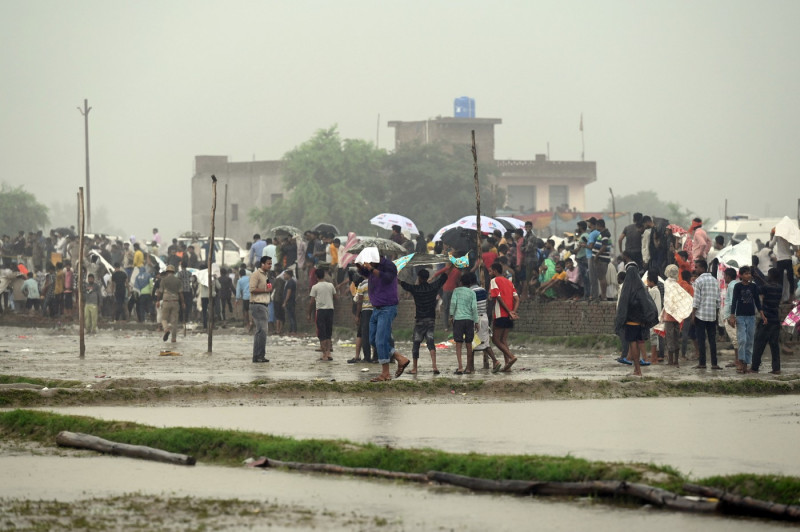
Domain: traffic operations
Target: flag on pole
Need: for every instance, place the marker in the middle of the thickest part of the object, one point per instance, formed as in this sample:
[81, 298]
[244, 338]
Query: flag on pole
[581, 126]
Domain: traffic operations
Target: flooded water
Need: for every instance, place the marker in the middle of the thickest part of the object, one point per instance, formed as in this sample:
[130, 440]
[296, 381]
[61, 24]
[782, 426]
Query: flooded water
[405, 506]
[701, 436]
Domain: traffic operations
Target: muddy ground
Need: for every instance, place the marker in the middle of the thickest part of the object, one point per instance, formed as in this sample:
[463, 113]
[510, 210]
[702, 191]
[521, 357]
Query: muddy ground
[125, 366]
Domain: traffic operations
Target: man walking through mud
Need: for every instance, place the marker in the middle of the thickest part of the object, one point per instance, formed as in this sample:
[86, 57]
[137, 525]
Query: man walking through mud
[506, 300]
[381, 275]
[170, 297]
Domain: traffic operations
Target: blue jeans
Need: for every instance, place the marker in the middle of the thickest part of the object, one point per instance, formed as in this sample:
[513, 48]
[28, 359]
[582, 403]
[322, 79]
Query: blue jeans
[380, 331]
[745, 334]
[259, 315]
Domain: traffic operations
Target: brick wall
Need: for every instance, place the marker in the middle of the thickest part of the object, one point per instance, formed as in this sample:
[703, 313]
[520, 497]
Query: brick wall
[556, 318]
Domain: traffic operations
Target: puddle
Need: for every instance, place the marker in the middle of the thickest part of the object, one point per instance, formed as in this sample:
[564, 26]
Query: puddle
[404, 506]
[701, 436]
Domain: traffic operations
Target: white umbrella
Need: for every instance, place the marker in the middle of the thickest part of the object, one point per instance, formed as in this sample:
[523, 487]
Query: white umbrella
[202, 275]
[386, 220]
[516, 222]
[488, 225]
[369, 254]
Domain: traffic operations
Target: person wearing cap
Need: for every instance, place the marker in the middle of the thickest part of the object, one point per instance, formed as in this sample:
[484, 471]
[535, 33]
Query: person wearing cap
[170, 300]
[381, 275]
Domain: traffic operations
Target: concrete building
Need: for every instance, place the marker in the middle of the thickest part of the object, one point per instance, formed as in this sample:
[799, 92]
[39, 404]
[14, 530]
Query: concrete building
[530, 185]
[450, 132]
[544, 185]
[250, 185]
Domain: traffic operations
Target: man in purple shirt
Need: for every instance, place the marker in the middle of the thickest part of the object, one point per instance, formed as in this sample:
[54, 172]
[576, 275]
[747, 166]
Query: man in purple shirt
[382, 286]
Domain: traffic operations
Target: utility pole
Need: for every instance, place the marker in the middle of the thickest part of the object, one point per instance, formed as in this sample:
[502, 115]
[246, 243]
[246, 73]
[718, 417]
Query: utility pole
[85, 113]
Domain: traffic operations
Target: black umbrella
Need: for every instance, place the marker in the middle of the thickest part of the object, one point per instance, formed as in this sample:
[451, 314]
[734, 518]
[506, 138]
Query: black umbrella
[508, 225]
[286, 230]
[326, 228]
[460, 239]
[65, 231]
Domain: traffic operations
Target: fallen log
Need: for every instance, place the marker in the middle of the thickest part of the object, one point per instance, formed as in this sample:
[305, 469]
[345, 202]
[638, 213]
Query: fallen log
[87, 441]
[608, 488]
[737, 504]
[331, 468]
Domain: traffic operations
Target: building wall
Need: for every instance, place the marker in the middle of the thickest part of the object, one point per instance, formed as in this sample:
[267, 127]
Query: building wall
[451, 132]
[541, 174]
[250, 185]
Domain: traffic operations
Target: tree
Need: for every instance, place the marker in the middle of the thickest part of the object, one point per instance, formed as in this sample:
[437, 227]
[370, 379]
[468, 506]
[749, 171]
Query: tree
[19, 211]
[647, 202]
[329, 180]
[434, 187]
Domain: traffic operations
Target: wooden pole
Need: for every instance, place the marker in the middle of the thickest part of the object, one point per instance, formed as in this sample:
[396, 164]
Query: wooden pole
[613, 214]
[224, 224]
[81, 228]
[477, 205]
[209, 256]
[725, 223]
[87, 441]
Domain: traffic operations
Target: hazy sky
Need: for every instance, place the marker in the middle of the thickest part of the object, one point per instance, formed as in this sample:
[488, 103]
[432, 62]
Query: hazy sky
[695, 99]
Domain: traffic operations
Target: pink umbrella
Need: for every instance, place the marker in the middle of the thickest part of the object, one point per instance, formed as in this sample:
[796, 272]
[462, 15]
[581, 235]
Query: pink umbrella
[346, 258]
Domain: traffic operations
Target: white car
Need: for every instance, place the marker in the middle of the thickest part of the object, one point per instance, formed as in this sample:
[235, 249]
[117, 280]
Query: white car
[233, 254]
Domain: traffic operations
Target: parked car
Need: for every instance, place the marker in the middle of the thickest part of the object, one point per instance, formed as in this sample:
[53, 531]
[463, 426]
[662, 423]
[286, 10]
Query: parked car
[233, 253]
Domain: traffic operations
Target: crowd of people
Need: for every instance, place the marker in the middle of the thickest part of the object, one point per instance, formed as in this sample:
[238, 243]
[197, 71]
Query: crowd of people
[476, 300]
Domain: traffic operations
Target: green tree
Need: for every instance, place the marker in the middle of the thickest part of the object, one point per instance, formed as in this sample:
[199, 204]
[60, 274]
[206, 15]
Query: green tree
[647, 202]
[434, 186]
[329, 180]
[19, 211]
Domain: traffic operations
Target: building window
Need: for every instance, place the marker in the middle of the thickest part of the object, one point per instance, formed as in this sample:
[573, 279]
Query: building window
[559, 197]
[234, 212]
[521, 198]
[274, 198]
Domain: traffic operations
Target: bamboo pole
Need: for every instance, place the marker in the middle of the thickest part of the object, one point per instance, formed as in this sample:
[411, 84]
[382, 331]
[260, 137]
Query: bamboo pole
[613, 214]
[224, 224]
[81, 316]
[209, 256]
[87, 441]
[477, 206]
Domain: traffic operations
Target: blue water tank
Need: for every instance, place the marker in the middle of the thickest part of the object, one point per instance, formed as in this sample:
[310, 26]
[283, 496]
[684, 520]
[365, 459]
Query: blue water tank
[464, 107]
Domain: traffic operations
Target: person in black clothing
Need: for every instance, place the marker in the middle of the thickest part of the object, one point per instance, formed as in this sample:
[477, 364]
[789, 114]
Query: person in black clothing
[769, 332]
[120, 280]
[226, 291]
[424, 294]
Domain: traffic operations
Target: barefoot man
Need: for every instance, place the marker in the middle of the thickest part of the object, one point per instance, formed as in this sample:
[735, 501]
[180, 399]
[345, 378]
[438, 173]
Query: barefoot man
[381, 275]
[506, 300]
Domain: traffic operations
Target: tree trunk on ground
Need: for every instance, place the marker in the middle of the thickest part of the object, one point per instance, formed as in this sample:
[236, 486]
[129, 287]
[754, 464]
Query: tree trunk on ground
[87, 441]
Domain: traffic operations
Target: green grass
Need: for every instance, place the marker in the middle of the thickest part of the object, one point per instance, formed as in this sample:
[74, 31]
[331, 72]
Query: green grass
[50, 383]
[228, 447]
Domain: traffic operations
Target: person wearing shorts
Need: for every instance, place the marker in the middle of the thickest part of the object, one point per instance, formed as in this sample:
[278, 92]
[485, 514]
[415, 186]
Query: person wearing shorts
[506, 300]
[464, 321]
[424, 294]
[322, 294]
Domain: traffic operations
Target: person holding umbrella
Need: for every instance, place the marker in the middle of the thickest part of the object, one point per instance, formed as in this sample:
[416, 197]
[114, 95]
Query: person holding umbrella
[381, 275]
